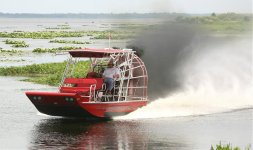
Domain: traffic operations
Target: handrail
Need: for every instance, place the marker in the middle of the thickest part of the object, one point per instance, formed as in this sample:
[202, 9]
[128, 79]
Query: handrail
[92, 87]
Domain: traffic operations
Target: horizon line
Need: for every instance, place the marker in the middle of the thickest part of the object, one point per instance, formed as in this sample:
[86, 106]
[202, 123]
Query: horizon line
[75, 13]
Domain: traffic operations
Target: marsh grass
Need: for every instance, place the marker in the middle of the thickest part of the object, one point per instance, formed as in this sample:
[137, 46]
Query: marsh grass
[16, 43]
[60, 27]
[68, 42]
[228, 147]
[12, 60]
[49, 73]
[12, 52]
[57, 34]
[54, 50]
[117, 35]
[57, 28]
[41, 34]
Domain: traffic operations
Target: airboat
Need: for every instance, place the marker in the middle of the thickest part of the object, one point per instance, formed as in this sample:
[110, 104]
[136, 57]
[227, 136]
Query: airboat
[86, 97]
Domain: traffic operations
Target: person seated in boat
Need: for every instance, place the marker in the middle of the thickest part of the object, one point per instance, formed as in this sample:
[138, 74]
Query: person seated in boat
[91, 75]
[95, 74]
[110, 74]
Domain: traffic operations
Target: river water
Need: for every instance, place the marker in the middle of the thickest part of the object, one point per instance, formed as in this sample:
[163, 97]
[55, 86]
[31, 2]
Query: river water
[215, 107]
[42, 24]
[23, 127]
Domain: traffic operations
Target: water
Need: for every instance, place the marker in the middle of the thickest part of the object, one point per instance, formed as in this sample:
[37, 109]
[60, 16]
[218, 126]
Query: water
[22, 127]
[175, 133]
[34, 24]
[215, 104]
[37, 24]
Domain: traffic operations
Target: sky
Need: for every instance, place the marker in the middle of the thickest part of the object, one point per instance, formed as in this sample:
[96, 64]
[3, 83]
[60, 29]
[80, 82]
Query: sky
[125, 6]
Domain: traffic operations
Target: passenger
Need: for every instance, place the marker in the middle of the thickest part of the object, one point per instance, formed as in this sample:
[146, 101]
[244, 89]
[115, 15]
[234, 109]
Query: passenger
[110, 74]
[91, 75]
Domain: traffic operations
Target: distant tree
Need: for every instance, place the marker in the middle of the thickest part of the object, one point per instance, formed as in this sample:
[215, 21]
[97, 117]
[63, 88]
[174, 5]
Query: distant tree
[180, 19]
[246, 18]
[213, 14]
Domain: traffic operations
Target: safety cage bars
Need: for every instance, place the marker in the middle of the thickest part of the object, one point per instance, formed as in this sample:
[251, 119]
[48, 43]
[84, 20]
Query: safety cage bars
[132, 84]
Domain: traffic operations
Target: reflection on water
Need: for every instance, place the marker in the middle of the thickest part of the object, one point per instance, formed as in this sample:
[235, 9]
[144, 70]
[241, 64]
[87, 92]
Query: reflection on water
[78, 134]
[180, 133]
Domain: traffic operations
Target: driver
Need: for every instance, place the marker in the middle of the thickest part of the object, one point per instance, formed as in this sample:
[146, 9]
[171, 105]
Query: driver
[110, 74]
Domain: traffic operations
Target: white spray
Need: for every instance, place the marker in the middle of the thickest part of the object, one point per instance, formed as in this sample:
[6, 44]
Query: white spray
[215, 79]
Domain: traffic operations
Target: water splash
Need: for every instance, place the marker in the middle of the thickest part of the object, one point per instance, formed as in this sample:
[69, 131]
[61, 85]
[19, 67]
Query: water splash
[216, 79]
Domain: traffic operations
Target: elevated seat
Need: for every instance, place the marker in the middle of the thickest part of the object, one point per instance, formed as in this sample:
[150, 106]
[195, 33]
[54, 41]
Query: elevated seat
[99, 84]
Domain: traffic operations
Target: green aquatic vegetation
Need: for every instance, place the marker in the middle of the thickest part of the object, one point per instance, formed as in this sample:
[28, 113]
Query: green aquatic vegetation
[49, 73]
[54, 50]
[42, 34]
[228, 147]
[68, 42]
[57, 34]
[229, 27]
[224, 147]
[131, 26]
[79, 42]
[59, 28]
[17, 31]
[117, 35]
[16, 43]
[20, 45]
[63, 25]
[11, 41]
[38, 73]
[221, 23]
[12, 60]
[10, 51]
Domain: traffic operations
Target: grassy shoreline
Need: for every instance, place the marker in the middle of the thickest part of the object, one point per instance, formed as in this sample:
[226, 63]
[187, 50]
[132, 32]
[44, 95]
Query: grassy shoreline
[230, 23]
[48, 73]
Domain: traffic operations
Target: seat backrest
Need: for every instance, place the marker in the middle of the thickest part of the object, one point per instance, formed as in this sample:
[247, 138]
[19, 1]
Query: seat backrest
[80, 81]
[100, 82]
[85, 82]
[74, 89]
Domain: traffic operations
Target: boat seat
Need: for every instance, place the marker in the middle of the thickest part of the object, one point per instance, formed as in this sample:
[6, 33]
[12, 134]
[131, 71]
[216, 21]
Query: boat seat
[81, 84]
[83, 81]
[100, 82]
[75, 89]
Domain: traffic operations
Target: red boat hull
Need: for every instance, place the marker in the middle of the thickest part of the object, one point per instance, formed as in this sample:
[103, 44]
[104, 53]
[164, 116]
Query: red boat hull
[111, 109]
[73, 105]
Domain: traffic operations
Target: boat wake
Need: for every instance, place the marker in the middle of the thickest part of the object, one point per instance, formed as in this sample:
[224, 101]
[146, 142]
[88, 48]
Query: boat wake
[216, 79]
[192, 103]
